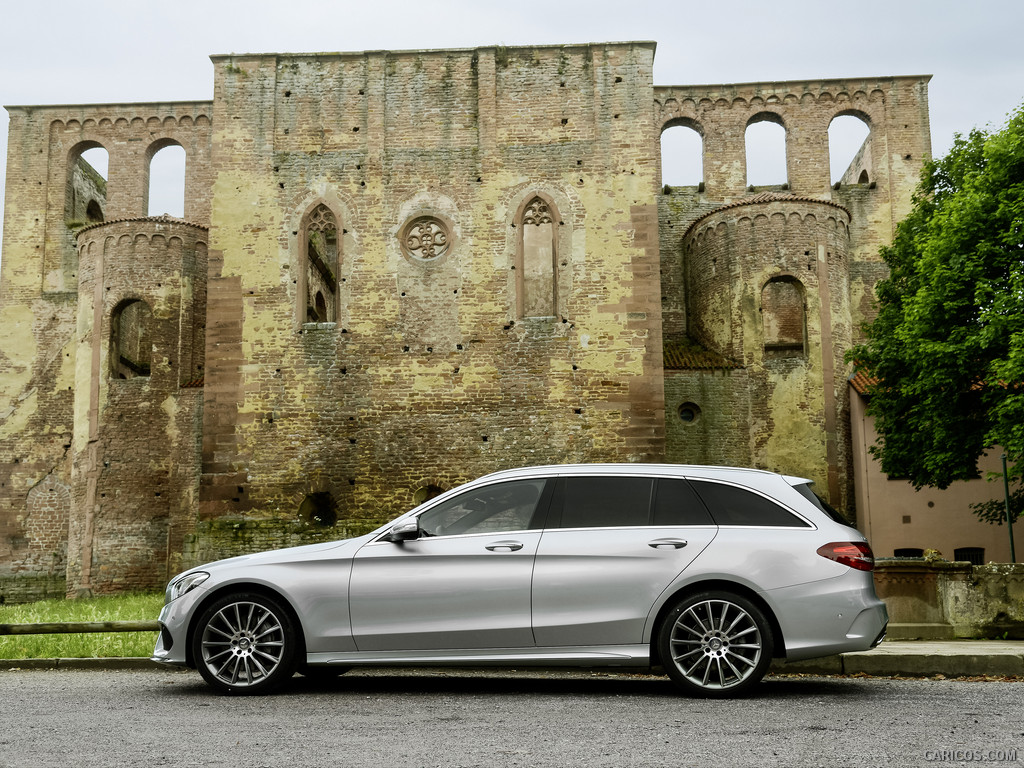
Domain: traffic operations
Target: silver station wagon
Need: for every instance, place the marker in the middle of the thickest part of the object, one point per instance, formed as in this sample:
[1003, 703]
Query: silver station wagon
[706, 572]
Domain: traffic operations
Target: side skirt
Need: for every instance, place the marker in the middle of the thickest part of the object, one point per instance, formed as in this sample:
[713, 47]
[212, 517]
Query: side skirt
[599, 656]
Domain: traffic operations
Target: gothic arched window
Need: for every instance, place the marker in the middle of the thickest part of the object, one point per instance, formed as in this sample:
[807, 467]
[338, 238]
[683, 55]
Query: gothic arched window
[321, 265]
[536, 284]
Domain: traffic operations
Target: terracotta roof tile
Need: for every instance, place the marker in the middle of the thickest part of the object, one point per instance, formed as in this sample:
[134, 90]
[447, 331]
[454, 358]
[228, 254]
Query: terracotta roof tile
[163, 219]
[862, 382]
[767, 197]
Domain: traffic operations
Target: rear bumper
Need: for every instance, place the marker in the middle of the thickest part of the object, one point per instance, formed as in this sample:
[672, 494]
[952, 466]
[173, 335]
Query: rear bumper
[828, 617]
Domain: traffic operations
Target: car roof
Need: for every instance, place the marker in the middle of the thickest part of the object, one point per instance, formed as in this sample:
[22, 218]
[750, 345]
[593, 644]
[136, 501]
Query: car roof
[735, 474]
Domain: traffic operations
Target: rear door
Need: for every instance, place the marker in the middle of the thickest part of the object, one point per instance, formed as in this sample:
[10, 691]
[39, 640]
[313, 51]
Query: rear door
[611, 547]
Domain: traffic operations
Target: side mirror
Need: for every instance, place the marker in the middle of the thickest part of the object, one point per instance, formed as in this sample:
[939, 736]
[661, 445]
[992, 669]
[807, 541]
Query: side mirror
[407, 530]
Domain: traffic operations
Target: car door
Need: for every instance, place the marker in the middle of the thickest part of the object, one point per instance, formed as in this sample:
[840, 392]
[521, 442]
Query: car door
[612, 546]
[464, 583]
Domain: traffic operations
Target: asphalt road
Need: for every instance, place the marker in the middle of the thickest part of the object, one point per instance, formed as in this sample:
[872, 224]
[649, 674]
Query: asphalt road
[440, 718]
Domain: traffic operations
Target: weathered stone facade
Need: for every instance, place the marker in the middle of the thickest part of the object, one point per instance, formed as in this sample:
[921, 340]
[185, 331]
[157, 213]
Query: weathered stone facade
[400, 270]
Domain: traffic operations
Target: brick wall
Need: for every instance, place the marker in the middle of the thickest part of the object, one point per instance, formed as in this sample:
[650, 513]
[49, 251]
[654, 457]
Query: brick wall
[433, 366]
[430, 376]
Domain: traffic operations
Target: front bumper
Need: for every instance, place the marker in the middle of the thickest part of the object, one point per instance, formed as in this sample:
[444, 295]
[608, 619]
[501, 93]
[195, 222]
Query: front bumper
[172, 643]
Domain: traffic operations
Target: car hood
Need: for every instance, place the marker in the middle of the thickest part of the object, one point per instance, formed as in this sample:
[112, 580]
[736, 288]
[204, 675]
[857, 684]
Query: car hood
[289, 554]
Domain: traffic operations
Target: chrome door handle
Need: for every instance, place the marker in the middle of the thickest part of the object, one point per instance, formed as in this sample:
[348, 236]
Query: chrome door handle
[667, 543]
[504, 546]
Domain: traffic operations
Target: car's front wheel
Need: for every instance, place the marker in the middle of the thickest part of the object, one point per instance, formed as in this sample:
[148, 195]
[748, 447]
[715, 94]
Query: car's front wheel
[715, 644]
[245, 643]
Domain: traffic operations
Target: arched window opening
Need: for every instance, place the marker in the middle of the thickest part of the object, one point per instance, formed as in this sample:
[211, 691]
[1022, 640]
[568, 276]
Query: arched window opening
[765, 141]
[537, 254]
[682, 156]
[426, 493]
[319, 509]
[93, 212]
[167, 182]
[86, 198]
[131, 344]
[849, 150]
[782, 315]
[321, 243]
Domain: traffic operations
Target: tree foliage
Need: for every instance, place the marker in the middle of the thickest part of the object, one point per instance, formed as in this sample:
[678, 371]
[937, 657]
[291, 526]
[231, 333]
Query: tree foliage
[947, 346]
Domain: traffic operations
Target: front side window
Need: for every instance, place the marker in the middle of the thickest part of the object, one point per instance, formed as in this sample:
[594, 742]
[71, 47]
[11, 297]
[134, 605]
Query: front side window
[502, 507]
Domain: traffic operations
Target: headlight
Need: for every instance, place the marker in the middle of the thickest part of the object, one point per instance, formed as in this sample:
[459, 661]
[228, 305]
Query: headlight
[186, 583]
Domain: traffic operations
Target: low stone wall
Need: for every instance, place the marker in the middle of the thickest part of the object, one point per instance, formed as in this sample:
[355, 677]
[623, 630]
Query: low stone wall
[29, 587]
[937, 599]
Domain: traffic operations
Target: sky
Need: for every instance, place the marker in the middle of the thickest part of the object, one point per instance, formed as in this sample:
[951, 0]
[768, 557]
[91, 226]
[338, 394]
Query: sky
[117, 51]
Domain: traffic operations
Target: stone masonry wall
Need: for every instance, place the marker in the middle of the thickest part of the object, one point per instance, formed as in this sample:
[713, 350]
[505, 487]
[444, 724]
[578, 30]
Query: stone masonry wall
[135, 449]
[454, 179]
[39, 299]
[429, 377]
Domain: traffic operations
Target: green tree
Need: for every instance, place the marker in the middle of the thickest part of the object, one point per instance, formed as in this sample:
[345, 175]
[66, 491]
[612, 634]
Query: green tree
[947, 346]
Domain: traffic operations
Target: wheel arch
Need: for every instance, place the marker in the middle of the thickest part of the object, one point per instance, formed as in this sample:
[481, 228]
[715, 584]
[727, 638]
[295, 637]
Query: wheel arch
[239, 588]
[721, 585]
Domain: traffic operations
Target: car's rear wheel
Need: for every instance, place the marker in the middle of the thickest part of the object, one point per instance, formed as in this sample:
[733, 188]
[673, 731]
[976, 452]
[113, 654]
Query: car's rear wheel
[245, 643]
[715, 644]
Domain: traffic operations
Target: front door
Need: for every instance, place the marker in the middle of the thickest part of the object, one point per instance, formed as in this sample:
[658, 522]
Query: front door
[463, 584]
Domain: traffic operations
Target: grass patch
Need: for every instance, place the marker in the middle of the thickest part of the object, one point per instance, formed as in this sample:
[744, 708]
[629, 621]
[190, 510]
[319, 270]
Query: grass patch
[138, 606]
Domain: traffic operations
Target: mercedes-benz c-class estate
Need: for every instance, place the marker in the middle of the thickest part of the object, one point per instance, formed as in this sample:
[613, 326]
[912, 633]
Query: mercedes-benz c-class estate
[706, 572]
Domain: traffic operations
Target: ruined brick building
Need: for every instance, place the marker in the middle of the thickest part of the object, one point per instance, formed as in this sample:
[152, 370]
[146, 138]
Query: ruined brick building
[399, 270]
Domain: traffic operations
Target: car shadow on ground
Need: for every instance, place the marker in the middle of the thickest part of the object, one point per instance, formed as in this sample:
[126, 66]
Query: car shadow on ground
[426, 682]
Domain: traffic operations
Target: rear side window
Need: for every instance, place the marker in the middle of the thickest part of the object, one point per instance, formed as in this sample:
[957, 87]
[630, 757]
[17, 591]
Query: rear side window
[675, 503]
[613, 502]
[730, 505]
[596, 502]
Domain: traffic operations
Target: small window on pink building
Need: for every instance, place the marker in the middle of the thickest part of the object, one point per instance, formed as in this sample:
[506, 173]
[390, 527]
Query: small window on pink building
[972, 555]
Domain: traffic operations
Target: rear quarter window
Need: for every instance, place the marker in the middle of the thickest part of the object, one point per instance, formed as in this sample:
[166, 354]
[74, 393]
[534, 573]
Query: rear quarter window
[730, 505]
[804, 490]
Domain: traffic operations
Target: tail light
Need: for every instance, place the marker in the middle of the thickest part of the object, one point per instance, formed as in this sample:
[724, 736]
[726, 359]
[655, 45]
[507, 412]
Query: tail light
[855, 554]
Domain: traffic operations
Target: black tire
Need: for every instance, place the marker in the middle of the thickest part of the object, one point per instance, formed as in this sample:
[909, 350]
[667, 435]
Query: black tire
[715, 644]
[245, 644]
